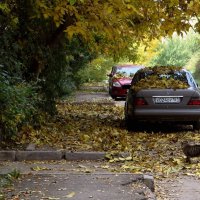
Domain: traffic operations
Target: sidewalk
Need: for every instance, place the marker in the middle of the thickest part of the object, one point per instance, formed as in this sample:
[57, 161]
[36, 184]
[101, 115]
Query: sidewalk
[78, 180]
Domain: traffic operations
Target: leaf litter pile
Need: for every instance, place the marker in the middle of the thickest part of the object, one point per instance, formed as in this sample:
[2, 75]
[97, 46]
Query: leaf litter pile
[100, 127]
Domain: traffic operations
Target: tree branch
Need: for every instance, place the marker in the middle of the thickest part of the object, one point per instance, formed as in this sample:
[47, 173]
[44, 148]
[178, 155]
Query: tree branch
[54, 38]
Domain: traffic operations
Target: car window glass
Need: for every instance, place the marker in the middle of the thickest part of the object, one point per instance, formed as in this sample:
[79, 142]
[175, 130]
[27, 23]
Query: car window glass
[127, 71]
[177, 75]
[191, 80]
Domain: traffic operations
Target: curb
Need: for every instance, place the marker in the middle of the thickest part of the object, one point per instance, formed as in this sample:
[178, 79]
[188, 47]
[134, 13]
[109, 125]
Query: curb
[84, 155]
[7, 155]
[149, 182]
[32, 155]
[49, 155]
[38, 155]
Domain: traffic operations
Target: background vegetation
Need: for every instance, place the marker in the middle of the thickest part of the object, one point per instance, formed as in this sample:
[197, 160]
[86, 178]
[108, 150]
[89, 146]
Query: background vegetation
[49, 48]
[175, 51]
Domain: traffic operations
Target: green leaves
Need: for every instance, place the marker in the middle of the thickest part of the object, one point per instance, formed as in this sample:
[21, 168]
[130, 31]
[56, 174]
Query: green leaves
[7, 180]
[72, 2]
[17, 105]
[176, 51]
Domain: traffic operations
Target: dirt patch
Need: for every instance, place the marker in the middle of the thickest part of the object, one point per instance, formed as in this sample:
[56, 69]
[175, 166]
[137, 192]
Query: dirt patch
[178, 188]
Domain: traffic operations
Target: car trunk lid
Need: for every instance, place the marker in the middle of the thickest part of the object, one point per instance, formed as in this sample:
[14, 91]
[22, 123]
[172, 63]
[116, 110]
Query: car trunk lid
[167, 98]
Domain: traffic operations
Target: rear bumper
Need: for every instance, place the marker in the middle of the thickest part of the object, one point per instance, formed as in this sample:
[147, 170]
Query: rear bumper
[189, 115]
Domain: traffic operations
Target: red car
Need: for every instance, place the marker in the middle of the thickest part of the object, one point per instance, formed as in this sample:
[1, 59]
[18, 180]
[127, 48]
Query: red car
[121, 75]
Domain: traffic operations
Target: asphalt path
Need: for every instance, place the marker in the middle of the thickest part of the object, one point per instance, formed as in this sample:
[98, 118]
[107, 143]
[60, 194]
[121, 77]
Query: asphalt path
[76, 180]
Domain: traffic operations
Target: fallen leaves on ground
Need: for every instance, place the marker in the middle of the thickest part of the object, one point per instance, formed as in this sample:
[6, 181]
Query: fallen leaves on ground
[100, 127]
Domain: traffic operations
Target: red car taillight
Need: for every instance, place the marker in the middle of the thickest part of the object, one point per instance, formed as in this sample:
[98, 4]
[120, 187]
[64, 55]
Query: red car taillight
[194, 102]
[140, 101]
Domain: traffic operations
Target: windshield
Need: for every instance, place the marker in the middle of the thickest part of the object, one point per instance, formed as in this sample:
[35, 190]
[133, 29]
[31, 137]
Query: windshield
[127, 71]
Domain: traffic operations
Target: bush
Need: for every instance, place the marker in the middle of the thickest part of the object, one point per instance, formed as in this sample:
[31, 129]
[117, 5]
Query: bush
[95, 71]
[18, 105]
[197, 69]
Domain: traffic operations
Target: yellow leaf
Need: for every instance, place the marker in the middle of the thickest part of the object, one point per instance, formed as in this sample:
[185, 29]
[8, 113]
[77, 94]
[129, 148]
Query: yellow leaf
[37, 168]
[109, 10]
[128, 158]
[70, 195]
[86, 138]
[189, 174]
[105, 166]
[121, 159]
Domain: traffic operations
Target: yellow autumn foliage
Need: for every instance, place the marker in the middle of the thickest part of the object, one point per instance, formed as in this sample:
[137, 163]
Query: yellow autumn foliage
[159, 79]
[113, 26]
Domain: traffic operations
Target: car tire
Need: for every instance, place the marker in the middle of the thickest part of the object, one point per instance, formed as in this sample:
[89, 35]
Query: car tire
[196, 125]
[128, 121]
[114, 97]
[131, 125]
[109, 92]
[128, 124]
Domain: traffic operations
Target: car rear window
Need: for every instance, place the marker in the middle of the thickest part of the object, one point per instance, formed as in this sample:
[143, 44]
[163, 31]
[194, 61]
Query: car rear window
[160, 78]
[177, 75]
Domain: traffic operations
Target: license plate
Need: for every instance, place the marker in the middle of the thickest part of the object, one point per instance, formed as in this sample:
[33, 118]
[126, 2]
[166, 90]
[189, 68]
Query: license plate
[163, 100]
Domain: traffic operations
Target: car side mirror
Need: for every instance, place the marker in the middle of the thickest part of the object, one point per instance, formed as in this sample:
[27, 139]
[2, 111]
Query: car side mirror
[110, 75]
[126, 86]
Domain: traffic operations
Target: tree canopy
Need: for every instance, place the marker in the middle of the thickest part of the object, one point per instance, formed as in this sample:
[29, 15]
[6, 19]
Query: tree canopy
[107, 26]
[111, 25]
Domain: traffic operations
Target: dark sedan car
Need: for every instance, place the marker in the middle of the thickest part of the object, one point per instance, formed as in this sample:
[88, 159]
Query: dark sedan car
[162, 94]
[121, 75]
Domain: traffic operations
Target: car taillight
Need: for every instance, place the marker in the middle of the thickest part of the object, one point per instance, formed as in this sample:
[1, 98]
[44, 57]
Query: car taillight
[194, 102]
[140, 101]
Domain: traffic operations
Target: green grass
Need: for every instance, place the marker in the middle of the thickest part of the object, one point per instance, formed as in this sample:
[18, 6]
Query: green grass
[7, 180]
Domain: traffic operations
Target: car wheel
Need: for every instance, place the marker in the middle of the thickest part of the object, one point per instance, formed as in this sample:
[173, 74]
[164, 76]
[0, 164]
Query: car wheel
[130, 124]
[114, 97]
[128, 121]
[196, 125]
[109, 91]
